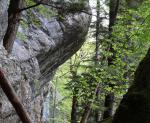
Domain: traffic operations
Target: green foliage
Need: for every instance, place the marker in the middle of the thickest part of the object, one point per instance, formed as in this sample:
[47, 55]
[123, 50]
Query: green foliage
[129, 45]
[61, 107]
[24, 25]
[43, 12]
[70, 82]
[29, 2]
[33, 19]
[22, 36]
[129, 40]
[46, 12]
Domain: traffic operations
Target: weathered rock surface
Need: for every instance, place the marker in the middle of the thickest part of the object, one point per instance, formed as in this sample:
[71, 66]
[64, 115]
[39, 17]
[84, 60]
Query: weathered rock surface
[33, 61]
[3, 18]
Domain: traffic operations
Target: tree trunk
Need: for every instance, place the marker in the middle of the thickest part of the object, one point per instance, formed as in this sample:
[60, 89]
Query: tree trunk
[96, 112]
[74, 109]
[113, 6]
[86, 114]
[14, 16]
[14, 100]
[135, 105]
[109, 98]
[97, 31]
[88, 108]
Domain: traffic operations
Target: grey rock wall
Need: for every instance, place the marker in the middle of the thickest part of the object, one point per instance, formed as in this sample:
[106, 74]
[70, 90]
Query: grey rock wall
[3, 18]
[37, 53]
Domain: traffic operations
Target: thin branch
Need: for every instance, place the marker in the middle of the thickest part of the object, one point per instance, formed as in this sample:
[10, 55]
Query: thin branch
[51, 5]
[29, 7]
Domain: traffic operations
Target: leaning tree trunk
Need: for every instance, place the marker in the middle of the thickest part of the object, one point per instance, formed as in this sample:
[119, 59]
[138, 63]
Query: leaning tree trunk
[135, 105]
[14, 100]
[14, 16]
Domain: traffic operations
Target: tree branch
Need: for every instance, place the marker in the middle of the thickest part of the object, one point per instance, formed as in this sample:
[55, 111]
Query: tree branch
[14, 100]
[53, 6]
[29, 7]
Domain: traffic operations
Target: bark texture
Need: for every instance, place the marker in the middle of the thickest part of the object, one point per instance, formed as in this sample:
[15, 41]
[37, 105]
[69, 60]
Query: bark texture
[74, 109]
[14, 17]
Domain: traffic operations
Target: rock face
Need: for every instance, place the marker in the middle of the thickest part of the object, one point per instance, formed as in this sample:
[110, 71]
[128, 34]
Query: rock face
[40, 48]
[3, 18]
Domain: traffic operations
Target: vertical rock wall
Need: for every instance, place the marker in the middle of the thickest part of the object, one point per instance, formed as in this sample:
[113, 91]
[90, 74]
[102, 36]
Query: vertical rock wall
[3, 18]
[36, 56]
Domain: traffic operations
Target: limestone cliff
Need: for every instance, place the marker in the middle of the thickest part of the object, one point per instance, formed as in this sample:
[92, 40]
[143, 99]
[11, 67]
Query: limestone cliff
[42, 44]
